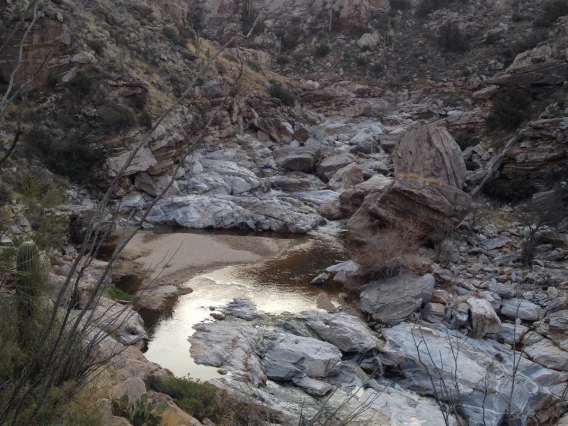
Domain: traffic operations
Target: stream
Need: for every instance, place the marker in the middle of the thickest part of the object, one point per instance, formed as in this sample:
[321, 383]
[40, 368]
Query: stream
[275, 285]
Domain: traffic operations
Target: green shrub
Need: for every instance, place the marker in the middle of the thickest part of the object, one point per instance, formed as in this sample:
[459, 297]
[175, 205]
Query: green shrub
[72, 159]
[193, 396]
[491, 38]
[115, 293]
[140, 412]
[465, 140]
[118, 116]
[510, 108]
[451, 38]
[5, 194]
[248, 17]
[145, 120]
[322, 50]
[551, 11]
[511, 191]
[282, 60]
[528, 42]
[280, 92]
[82, 85]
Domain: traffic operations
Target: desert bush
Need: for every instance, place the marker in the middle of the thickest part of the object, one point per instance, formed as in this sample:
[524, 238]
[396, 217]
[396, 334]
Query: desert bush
[282, 59]
[74, 159]
[82, 85]
[510, 108]
[428, 6]
[193, 396]
[551, 11]
[5, 194]
[511, 191]
[389, 252]
[284, 94]
[118, 116]
[465, 140]
[248, 17]
[289, 38]
[141, 412]
[145, 120]
[528, 42]
[322, 50]
[451, 38]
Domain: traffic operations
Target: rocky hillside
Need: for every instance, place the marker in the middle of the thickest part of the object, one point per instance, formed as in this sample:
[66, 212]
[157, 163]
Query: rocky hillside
[433, 131]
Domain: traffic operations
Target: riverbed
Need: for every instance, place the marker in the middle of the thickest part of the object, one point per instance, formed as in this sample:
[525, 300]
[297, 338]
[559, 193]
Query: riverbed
[273, 271]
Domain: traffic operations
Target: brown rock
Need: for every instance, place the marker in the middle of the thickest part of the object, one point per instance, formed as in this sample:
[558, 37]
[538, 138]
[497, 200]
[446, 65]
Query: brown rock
[430, 152]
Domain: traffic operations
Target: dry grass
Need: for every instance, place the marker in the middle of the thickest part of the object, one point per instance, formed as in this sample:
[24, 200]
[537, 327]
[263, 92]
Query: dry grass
[390, 252]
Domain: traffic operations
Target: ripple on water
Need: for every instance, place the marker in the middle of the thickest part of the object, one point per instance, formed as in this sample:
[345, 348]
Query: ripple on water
[275, 285]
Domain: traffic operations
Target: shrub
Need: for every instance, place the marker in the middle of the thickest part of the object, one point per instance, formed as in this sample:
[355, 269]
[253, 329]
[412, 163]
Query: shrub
[140, 412]
[97, 45]
[511, 191]
[72, 159]
[82, 85]
[5, 194]
[282, 60]
[248, 16]
[118, 117]
[280, 92]
[528, 42]
[145, 120]
[193, 396]
[322, 50]
[451, 38]
[551, 11]
[465, 140]
[510, 108]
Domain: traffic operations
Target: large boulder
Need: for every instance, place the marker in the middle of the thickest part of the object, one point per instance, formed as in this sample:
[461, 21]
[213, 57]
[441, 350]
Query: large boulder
[483, 318]
[521, 72]
[346, 332]
[346, 177]
[430, 152]
[428, 205]
[351, 199]
[300, 159]
[393, 300]
[289, 356]
[476, 374]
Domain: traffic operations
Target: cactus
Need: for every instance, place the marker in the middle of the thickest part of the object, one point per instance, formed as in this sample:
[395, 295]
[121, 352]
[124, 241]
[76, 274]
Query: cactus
[29, 281]
[139, 412]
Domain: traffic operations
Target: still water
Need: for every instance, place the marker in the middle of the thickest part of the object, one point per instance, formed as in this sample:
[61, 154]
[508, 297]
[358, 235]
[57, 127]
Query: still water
[276, 285]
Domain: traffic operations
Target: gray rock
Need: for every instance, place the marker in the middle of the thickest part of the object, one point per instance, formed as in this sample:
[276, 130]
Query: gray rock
[290, 356]
[346, 177]
[348, 266]
[492, 298]
[483, 318]
[327, 168]
[494, 243]
[513, 333]
[346, 332]
[426, 356]
[547, 354]
[321, 278]
[133, 201]
[434, 312]
[428, 282]
[506, 291]
[393, 300]
[143, 182]
[132, 387]
[300, 159]
[523, 309]
[313, 386]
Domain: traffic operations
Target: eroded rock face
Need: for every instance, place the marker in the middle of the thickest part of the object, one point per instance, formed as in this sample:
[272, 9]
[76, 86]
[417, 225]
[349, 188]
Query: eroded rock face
[351, 199]
[427, 204]
[430, 152]
[300, 159]
[421, 351]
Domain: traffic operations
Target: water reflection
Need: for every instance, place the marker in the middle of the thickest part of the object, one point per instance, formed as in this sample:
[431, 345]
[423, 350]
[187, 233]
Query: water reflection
[275, 285]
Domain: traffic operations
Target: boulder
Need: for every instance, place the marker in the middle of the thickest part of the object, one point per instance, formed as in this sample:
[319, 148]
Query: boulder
[428, 205]
[346, 177]
[549, 72]
[79, 225]
[351, 199]
[520, 308]
[327, 168]
[547, 354]
[434, 312]
[288, 357]
[483, 318]
[428, 282]
[132, 387]
[430, 152]
[274, 128]
[481, 378]
[346, 332]
[300, 159]
[393, 300]
[143, 182]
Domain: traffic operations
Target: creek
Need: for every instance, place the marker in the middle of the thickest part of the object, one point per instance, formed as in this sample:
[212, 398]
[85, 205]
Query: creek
[276, 285]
